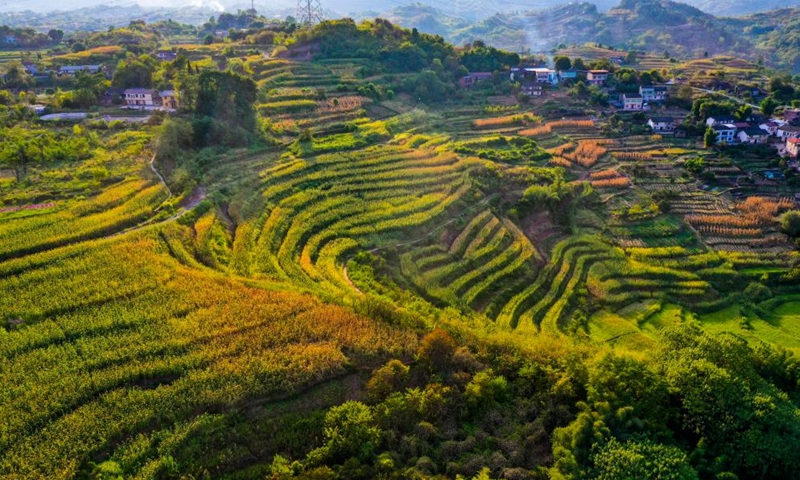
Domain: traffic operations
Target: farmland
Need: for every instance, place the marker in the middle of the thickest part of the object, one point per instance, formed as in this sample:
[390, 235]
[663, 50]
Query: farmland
[345, 276]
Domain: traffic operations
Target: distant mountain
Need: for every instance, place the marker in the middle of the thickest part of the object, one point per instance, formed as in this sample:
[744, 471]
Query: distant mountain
[657, 26]
[469, 9]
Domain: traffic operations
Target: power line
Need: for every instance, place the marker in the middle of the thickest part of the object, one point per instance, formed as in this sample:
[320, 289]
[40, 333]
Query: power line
[309, 12]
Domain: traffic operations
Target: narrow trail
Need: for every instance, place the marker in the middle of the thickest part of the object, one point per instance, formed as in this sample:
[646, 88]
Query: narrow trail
[192, 202]
[417, 240]
[737, 100]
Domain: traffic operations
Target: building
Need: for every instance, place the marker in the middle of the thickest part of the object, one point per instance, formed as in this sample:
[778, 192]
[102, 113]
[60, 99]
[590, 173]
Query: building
[787, 131]
[662, 124]
[632, 101]
[721, 120]
[31, 68]
[770, 127]
[470, 80]
[536, 74]
[567, 74]
[166, 55]
[752, 135]
[725, 134]
[142, 98]
[791, 113]
[597, 77]
[653, 93]
[793, 147]
[10, 39]
[38, 109]
[169, 99]
[73, 69]
[113, 96]
[533, 89]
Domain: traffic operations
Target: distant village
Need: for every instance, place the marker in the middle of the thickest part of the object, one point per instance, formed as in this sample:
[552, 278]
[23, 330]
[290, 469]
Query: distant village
[781, 132]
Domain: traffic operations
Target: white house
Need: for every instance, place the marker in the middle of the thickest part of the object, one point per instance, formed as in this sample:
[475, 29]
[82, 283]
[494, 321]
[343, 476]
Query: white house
[73, 69]
[787, 131]
[167, 55]
[533, 89]
[597, 77]
[632, 101]
[770, 127]
[720, 120]
[142, 97]
[752, 135]
[725, 134]
[662, 124]
[653, 93]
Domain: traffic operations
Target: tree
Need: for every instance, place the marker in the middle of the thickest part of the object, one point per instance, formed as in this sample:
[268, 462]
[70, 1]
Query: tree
[562, 63]
[56, 35]
[350, 431]
[709, 138]
[387, 379]
[790, 223]
[208, 39]
[768, 105]
[436, 349]
[641, 460]
[224, 110]
[744, 113]
[578, 64]
[134, 72]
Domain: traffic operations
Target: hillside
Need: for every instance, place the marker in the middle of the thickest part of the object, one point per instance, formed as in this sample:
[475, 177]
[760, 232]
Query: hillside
[333, 260]
[655, 26]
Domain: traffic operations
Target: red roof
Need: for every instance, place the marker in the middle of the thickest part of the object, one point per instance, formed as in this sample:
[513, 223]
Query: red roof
[793, 140]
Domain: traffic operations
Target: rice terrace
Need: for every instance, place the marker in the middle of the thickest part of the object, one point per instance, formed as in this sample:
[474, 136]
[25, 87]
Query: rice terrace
[291, 248]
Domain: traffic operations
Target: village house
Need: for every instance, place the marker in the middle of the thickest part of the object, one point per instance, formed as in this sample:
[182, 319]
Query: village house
[537, 74]
[73, 69]
[142, 97]
[567, 74]
[720, 120]
[791, 113]
[770, 127]
[169, 99]
[725, 134]
[470, 80]
[662, 124]
[787, 131]
[10, 39]
[653, 93]
[793, 147]
[597, 77]
[752, 135]
[31, 68]
[533, 89]
[166, 55]
[113, 96]
[632, 101]
[38, 109]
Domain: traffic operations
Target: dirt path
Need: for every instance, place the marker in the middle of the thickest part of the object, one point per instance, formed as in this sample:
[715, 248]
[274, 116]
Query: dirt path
[189, 204]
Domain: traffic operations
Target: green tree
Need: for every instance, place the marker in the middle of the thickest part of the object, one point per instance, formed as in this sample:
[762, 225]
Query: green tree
[790, 223]
[562, 63]
[436, 349]
[709, 138]
[389, 378]
[641, 461]
[350, 431]
[768, 105]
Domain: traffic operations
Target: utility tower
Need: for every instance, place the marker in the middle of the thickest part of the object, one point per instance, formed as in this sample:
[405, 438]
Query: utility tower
[309, 12]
